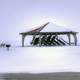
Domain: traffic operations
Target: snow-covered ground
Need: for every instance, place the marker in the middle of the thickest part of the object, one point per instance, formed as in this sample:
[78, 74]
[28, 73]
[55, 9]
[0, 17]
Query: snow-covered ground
[40, 59]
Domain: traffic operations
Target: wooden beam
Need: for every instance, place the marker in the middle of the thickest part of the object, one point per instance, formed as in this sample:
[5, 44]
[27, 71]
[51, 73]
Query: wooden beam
[51, 33]
[69, 38]
[23, 37]
[47, 33]
[75, 39]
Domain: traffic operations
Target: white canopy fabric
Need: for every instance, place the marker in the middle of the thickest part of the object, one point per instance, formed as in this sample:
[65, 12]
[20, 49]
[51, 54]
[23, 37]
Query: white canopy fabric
[51, 27]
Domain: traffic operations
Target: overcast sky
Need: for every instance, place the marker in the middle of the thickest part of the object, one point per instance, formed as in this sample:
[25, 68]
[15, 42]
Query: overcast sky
[19, 15]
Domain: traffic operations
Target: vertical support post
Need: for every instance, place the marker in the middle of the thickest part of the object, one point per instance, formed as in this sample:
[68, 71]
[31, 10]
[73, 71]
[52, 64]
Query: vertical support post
[75, 39]
[32, 42]
[69, 38]
[40, 40]
[23, 37]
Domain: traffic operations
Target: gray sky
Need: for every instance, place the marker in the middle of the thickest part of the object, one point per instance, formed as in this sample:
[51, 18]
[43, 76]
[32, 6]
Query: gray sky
[19, 15]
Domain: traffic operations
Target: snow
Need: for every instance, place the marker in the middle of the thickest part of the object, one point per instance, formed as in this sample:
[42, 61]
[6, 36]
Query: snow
[51, 27]
[40, 59]
[19, 16]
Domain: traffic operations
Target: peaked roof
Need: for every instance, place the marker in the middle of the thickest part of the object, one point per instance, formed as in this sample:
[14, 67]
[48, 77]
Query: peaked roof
[37, 29]
[40, 28]
[48, 27]
[51, 27]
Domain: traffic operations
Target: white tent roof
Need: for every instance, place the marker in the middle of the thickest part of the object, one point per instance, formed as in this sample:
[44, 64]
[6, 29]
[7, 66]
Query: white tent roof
[51, 27]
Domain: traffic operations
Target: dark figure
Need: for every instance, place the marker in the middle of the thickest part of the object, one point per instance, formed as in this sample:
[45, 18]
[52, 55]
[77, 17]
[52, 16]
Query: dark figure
[8, 46]
[43, 40]
[36, 41]
[49, 40]
[2, 45]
